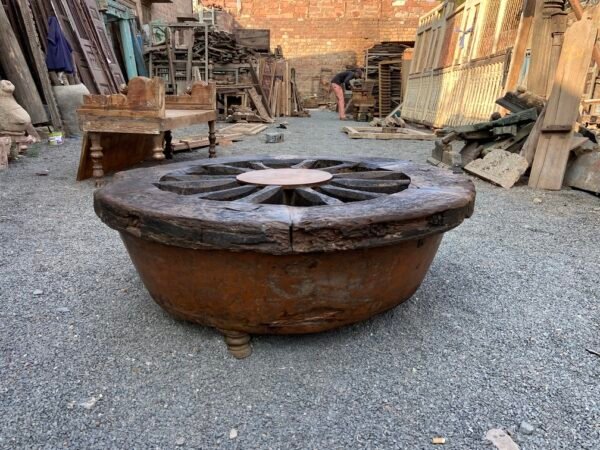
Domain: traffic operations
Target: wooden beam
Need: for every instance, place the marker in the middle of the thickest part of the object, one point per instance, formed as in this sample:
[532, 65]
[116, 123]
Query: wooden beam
[552, 153]
[15, 67]
[521, 43]
[40, 62]
[578, 10]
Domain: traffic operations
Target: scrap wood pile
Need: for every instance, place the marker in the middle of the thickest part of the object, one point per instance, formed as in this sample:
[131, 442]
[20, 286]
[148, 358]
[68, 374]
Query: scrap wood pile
[542, 139]
[222, 49]
[278, 83]
[251, 86]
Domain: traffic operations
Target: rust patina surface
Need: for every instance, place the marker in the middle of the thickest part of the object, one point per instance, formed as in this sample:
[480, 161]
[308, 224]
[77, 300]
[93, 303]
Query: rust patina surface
[218, 245]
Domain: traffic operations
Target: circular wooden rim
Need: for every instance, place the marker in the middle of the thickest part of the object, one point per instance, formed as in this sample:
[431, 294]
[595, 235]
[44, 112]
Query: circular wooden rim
[134, 202]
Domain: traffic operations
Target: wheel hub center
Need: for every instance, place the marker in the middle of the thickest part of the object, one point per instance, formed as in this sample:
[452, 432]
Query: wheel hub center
[286, 178]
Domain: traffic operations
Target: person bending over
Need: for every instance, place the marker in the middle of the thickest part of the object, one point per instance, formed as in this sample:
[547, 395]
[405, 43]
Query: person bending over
[340, 82]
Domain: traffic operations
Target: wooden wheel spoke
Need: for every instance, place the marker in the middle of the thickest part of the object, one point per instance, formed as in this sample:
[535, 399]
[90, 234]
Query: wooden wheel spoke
[177, 177]
[371, 185]
[340, 168]
[348, 195]
[197, 186]
[317, 198]
[225, 169]
[263, 196]
[229, 194]
[306, 164]
[375, 174]
[257, 165]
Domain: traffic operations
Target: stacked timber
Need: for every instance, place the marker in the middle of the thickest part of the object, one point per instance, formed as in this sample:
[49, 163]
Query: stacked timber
[251, 86]
[223, 49]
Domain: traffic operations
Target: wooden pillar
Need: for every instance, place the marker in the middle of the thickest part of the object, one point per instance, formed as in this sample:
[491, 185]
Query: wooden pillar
[16, 69]
[547, 29]
[558, 25]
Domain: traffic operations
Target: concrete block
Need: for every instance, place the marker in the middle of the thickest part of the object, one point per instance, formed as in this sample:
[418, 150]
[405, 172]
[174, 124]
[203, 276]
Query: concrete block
[500, 167]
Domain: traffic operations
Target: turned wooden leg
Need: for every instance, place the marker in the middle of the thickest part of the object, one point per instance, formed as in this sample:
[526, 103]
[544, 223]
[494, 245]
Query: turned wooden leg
[238, 343]
[96, 155]
[157, 147]
[168, 145]
[212, 139]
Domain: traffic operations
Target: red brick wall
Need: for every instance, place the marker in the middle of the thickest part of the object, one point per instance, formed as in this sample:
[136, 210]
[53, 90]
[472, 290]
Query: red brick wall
[328, 33]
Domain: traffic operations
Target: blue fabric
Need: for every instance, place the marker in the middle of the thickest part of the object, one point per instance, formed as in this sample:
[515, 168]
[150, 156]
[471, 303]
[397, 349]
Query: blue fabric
[58, 56]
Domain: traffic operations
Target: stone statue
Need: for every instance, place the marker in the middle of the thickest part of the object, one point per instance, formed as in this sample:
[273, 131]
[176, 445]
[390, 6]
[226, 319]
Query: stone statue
[13, 118]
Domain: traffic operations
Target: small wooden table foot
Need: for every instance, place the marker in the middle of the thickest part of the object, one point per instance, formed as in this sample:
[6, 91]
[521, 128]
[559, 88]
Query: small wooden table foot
[157, 147]
[97, 155]
[238, 343]
[168, 144]
[212, 139]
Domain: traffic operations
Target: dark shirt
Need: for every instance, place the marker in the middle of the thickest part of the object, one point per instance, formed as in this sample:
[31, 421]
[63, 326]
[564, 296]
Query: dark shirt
[343, 78]
[58, 52]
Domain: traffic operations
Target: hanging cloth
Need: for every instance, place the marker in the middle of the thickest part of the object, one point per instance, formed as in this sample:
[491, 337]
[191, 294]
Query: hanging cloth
[58, 57]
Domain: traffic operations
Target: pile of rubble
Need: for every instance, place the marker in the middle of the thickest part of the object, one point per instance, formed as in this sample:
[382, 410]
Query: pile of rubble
[501, 150]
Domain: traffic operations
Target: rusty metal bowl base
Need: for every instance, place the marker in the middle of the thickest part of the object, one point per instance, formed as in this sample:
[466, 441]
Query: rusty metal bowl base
[253, 293]
[281, 259]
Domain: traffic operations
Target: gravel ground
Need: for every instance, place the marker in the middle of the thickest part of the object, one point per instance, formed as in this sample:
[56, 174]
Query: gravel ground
[496, 335]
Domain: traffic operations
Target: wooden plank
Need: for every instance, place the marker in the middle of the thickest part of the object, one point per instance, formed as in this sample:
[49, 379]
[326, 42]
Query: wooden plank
[550, 162]
[378, 133]
[552, 152]
[16, 70]
[5, 144]
[201, 141]
[259, 89]
[105, 49]
[75, 19]
[528, 150]
[569, 82]
[262, 112]
[40, 63]
[248, 129]
[541, 41]
[520, 47]
[578, 10]
[528, 115]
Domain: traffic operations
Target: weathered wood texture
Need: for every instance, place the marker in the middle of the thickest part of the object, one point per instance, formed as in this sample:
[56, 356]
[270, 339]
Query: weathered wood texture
[35, 47]
[120, 151]
[145, 98]
[5, 144]
[457, 76]
[521, 44]
[141, 112]
[562, 110]
[539, 76]
[203, 95]
[15, 67]
[528, 149]
[387, 134]
[435, 201]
